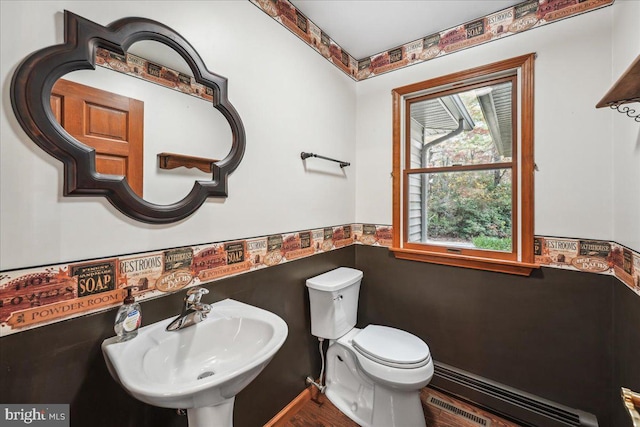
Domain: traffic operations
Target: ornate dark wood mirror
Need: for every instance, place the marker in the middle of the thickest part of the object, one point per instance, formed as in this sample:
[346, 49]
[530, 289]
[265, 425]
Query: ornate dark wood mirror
[35, 90]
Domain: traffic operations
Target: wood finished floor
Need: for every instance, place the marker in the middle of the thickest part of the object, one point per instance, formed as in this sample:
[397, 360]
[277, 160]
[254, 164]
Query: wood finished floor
[320, 412]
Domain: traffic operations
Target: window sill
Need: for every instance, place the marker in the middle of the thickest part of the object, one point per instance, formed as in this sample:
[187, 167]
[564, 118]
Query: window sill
[465, 261]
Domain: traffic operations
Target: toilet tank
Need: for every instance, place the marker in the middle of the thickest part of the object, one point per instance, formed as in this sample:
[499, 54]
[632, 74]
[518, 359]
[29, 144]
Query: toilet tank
[333, 297]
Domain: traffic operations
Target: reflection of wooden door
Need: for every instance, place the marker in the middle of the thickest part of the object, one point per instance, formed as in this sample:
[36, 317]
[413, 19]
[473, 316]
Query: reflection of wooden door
[110, 123]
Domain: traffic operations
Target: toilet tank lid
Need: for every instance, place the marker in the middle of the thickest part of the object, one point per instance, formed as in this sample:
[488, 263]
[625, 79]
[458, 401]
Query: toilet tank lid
[335, 280]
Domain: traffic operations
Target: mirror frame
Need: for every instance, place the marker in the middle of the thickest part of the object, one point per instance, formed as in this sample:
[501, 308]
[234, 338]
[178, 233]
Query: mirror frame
[31, 88]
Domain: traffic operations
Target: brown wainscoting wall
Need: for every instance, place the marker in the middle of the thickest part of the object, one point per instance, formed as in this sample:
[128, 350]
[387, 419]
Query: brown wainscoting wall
[566, 336]
[63, 362]
[550, 334]
[626, 373]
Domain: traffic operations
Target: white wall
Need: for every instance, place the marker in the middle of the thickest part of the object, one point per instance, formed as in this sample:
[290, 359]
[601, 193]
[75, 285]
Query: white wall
[573, 149]
[626, 131]
[289, 98]
[293, 100]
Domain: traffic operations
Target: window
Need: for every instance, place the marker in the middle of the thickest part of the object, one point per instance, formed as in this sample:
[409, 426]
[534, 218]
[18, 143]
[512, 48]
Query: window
[463, 168]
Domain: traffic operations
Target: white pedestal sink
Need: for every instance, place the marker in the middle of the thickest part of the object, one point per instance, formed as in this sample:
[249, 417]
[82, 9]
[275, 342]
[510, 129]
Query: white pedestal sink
[200, 368]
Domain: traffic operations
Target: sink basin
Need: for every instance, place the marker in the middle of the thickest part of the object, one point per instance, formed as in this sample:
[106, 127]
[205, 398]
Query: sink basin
[199, 368]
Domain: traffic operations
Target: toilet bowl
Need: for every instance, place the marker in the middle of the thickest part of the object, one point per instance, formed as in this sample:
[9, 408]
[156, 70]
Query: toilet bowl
[374, 374]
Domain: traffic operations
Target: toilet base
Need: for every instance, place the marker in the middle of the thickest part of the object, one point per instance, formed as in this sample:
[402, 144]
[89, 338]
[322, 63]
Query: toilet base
[368, 403]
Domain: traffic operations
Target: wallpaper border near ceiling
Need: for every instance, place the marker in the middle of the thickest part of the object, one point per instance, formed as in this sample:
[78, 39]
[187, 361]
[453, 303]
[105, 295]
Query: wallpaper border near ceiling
[506, 22]
[38, 296]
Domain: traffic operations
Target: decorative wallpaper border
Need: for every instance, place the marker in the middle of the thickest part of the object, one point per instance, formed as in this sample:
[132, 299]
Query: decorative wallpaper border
[513, 20]
[43, 295]
[144, 69]
[295, 21]
[39, 296]
[591, 256]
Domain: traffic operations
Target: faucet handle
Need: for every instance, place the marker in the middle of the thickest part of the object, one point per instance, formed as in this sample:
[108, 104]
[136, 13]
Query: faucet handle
[194, 294]
[197, 290]
[204, 309]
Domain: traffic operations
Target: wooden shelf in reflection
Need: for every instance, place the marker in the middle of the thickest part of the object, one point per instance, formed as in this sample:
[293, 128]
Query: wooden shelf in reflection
[172, 161]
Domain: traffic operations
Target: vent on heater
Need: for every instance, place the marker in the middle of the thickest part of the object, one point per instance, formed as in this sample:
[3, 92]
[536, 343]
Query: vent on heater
[458, 411]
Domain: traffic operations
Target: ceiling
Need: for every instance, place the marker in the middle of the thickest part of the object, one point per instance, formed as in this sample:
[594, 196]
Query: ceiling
[364, 28]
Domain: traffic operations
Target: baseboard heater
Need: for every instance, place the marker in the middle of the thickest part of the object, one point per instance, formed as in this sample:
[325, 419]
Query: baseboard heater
[516, 405]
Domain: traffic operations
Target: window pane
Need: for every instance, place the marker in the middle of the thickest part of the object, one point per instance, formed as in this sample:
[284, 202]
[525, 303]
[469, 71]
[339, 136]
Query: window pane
[485, 116]
[462, 209]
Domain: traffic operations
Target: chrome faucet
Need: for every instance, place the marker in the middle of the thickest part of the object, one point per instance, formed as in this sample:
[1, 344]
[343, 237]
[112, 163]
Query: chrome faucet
[193, 310]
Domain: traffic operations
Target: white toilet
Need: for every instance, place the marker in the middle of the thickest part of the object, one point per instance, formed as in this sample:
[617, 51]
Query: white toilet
[374, 375]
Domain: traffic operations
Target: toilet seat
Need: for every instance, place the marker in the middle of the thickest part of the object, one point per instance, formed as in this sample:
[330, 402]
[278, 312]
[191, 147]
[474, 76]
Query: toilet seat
[401, 377]
[391, 347]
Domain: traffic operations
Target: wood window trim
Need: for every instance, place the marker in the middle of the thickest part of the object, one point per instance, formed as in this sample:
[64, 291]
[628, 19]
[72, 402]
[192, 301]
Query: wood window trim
[477, 263]
[408, 251]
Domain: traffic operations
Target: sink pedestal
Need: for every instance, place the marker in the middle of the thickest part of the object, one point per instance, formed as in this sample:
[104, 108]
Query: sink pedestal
[220, 415]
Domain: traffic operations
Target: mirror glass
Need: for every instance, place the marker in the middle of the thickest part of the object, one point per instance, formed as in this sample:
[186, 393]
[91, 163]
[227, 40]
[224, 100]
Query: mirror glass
[144, 104]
